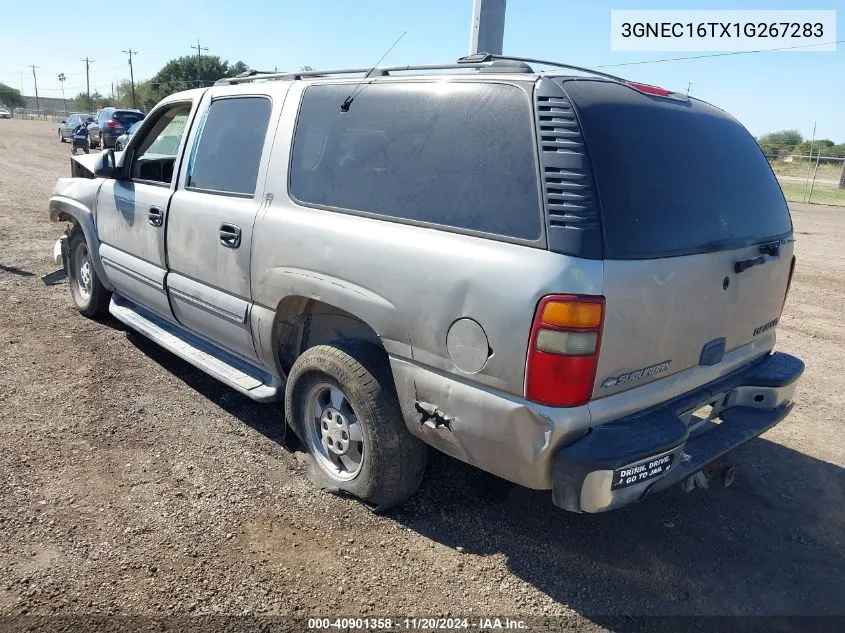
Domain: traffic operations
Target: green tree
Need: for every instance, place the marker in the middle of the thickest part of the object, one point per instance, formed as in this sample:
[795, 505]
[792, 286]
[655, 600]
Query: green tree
[124, 94]
[10, 97]
[777, 144]
[189, 72]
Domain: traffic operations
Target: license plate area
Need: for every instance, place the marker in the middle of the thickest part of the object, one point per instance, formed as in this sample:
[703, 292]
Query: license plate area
[639, 472]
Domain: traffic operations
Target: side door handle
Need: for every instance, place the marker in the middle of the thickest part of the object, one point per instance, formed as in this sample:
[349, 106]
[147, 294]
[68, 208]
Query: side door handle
[155, 216]
[230, 235]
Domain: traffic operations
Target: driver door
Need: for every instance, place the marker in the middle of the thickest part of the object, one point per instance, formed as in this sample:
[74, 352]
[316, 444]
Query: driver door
[131, 213]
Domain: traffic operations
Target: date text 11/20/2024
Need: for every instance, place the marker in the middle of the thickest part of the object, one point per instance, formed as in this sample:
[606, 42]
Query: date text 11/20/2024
[417, 624]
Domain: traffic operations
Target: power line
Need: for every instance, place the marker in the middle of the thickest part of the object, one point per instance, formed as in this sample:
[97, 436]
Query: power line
[678, 59]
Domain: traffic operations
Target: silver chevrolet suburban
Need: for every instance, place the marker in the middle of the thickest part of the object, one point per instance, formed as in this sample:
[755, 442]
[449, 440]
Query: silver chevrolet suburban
[570, 280]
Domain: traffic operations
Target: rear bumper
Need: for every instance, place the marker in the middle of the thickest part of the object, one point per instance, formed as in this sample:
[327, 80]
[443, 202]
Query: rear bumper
[623, 461]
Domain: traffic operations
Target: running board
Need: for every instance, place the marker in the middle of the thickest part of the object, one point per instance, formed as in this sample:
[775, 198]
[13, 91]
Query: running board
[229, 369]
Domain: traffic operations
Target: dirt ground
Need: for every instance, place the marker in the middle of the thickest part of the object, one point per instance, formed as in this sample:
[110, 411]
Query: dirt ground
[133, 484]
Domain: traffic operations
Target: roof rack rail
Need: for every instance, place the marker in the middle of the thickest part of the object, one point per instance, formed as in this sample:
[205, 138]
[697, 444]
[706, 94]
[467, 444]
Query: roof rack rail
[484, 62]
[480, 58]
[377, 71]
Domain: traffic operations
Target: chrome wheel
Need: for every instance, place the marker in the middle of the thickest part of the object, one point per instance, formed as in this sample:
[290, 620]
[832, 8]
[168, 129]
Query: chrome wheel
[84, 277]
[333, 433]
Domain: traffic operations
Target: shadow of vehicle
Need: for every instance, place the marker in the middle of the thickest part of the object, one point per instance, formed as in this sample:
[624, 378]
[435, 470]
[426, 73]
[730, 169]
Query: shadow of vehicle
[771, 545]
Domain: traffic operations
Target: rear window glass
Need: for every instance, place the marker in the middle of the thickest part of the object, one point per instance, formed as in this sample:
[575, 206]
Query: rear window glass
[674, 177]
[447, 153]
[127, 117]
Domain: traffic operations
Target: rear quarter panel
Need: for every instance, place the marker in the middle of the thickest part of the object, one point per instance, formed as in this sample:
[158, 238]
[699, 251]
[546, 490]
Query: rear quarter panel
[409, 283]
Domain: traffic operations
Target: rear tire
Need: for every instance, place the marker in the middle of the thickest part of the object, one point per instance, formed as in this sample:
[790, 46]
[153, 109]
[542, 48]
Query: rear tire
[344, 391]
[89, 294]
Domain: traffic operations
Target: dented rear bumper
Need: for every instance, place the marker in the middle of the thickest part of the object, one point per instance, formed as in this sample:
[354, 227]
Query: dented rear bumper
[625, 460]
[560, 448]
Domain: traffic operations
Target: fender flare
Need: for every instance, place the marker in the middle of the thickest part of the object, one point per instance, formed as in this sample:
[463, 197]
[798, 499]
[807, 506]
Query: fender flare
[70, 210]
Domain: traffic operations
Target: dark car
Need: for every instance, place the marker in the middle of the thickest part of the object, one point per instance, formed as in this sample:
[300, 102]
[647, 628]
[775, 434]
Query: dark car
[109, 123]
[123, 139]
[68, 125]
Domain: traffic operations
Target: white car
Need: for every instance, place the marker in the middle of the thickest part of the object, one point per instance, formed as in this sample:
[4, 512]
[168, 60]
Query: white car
[5, 114]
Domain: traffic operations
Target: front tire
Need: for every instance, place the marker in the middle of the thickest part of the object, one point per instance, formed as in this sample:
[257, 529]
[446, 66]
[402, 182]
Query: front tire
[89, 294]
[341, 402]
[61, 138]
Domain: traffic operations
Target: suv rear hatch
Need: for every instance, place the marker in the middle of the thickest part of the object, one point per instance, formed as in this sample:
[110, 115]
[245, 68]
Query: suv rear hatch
[695, 233]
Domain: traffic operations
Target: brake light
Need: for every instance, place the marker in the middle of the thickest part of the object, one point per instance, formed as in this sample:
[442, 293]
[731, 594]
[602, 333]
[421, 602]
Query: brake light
[788, 283]
[650, 90]
[563, 350]
[113, 124]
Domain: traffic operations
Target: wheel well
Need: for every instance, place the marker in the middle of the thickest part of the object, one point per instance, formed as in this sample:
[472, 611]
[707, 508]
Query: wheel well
[302, 323]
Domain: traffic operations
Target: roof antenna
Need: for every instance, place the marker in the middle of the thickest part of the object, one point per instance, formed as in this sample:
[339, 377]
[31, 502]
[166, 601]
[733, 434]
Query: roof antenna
[358, 89]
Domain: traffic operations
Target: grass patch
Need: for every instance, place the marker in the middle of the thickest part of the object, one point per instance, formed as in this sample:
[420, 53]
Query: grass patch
[822, 194]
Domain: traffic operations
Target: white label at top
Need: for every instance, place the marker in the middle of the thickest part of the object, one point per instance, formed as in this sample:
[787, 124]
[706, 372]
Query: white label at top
[722, 30]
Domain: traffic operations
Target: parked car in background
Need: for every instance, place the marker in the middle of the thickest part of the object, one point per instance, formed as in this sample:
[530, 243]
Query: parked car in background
[483, 259]
[123, 139]
[109, 123]
[5, 114]
[68, 125]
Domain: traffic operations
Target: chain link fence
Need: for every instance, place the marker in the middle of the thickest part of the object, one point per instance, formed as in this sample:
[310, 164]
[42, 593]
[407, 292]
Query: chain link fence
[40, 115]
[811, 178]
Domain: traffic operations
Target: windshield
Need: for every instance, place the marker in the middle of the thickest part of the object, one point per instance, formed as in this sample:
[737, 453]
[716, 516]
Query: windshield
[674, 176]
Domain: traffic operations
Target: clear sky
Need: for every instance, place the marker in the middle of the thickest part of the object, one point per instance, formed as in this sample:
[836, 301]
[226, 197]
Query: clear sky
[766, 91]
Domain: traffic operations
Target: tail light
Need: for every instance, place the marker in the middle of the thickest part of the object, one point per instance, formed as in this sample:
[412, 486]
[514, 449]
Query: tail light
[650, 90]
[113, 124]
[563, 350]
[788, 283]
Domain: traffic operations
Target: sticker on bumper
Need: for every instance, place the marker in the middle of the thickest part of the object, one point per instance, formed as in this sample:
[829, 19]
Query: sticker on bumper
[644, 471]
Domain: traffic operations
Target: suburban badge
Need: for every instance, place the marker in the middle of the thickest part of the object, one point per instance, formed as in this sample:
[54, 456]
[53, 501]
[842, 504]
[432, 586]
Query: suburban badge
[636, 374]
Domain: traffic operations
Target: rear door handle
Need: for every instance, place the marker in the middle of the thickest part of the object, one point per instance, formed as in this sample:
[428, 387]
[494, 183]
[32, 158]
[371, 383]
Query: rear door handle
[230, 235]
[155, 216]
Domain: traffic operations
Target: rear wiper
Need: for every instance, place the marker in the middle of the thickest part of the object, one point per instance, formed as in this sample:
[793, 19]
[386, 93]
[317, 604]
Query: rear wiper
[725, 244]
[768, 252]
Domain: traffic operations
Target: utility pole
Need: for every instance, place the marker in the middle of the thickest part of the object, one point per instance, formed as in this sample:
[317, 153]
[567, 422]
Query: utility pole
[35, 81]
[62, 81]
[130, 52]
[199, 60]
[88, 62]
[488, 26]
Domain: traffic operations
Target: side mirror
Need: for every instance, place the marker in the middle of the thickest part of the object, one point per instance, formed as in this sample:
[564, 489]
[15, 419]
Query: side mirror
[63, 121]
[105, 165]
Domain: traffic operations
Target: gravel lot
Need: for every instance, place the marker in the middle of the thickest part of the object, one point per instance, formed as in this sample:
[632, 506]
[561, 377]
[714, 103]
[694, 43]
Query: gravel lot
[134, 484]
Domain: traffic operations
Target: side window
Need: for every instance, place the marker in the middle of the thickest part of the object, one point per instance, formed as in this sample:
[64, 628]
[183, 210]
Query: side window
[155, 155]
[228, 152]
[457, 154]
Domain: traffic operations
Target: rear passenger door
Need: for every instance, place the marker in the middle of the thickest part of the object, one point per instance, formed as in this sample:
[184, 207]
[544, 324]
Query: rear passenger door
[209, 230]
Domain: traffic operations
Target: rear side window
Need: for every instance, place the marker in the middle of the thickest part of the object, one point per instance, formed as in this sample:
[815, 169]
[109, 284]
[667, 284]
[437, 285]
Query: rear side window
[674, 177]
[228, 153]
[447, 153]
